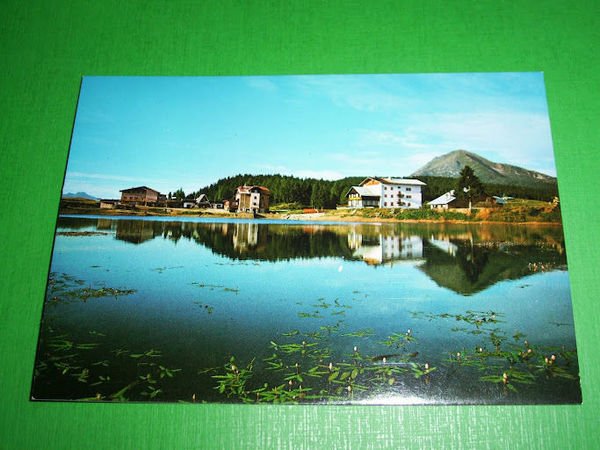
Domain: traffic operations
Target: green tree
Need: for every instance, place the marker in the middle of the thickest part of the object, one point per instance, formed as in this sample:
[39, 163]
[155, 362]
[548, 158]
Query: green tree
[179, 194]
[319, 195]
[469, 187]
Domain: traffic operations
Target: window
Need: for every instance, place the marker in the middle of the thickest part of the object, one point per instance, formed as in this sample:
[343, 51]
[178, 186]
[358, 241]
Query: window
[408, 189]
[384, 203]
[408, 196]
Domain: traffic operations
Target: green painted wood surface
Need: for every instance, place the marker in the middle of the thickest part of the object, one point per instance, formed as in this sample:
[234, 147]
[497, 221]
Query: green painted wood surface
[45, 47]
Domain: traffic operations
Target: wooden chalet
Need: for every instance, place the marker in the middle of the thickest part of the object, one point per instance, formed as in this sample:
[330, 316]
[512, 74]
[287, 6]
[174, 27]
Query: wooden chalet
[141, 195]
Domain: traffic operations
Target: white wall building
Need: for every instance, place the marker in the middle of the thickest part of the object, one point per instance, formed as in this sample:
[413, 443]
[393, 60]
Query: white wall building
[442, 201]
[375, 192]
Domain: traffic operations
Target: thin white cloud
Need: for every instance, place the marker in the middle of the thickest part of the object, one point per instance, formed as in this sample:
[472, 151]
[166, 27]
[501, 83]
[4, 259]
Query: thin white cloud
[270, 169]
[353, 162]
[102, 176]
[326, 174]
[353, 92]
[318, 174]
[378, 138]
[418, 160]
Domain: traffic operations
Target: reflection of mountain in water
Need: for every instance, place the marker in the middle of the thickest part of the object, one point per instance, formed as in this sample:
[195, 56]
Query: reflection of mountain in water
[467, 267]
[463, 258]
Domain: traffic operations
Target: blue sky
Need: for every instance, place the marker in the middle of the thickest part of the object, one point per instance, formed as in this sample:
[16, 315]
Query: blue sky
[171, 132]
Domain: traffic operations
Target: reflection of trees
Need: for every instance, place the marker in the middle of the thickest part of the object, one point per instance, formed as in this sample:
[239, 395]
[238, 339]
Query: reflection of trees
[461, 257]
[73, 223]
[472, 260]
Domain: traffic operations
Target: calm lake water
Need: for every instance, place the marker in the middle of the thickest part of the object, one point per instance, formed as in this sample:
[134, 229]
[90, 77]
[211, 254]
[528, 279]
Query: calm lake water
[156, 309]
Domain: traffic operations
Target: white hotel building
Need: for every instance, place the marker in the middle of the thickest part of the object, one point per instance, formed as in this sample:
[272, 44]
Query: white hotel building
[375, 192]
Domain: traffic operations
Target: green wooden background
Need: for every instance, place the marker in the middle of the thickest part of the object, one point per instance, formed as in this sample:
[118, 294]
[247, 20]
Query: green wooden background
[45, 47]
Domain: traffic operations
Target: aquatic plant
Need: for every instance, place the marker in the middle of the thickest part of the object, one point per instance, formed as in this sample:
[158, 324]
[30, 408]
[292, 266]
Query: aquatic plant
[82, 233]
[232, 382]
[399, 340]
[305, 370]
[63, 357]
[212, 287]
[163, 269]
[63, 288]
[365, 332]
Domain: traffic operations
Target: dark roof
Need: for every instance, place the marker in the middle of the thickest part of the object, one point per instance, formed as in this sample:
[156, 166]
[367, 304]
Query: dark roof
[138, 189]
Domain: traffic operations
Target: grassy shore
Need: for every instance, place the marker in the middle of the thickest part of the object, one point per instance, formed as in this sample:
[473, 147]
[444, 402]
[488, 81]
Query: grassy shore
[516, 211]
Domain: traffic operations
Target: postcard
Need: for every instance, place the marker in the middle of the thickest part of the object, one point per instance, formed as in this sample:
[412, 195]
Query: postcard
[339, 239]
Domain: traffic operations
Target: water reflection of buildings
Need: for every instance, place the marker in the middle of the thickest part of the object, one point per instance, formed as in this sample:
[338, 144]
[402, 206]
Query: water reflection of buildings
[444, 244]
[104, 224]
[378, 248]
[245, 235]
[135, 231]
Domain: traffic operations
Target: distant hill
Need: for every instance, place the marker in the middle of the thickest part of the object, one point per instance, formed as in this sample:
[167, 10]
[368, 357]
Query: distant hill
[79, 195]
[450, 165]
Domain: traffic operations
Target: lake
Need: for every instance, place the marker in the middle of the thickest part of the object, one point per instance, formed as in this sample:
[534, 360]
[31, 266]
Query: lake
[209, 310]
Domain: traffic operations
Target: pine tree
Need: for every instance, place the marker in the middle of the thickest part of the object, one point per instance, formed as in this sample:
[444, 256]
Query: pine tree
[179, 194]
[469, 187]
[319, 195]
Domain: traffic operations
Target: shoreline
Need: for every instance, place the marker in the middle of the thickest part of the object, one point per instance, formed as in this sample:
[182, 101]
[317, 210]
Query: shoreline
[292, 217]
